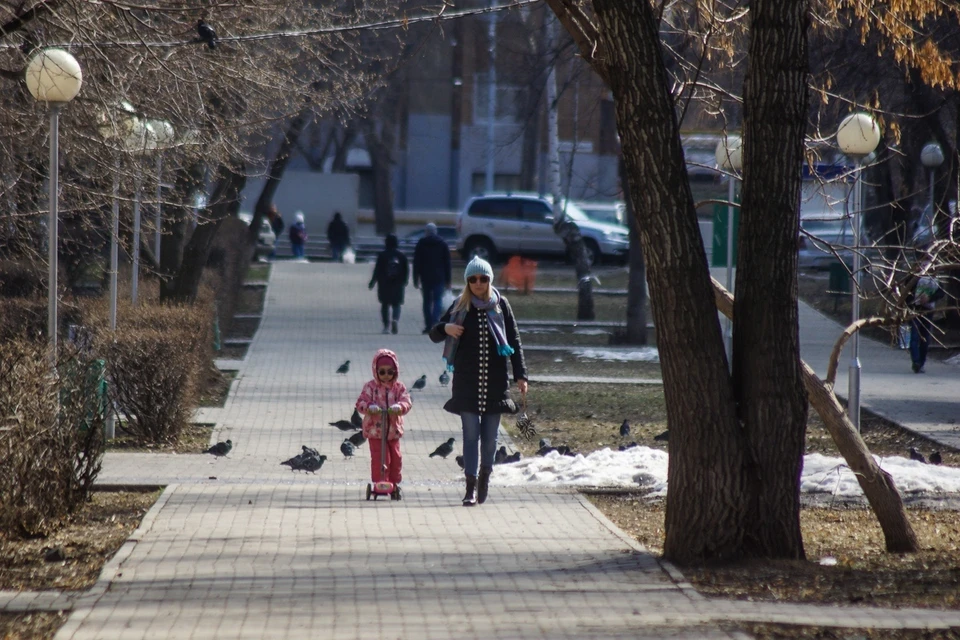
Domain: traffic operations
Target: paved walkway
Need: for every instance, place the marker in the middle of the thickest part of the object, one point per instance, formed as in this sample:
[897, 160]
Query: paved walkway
[242, 548]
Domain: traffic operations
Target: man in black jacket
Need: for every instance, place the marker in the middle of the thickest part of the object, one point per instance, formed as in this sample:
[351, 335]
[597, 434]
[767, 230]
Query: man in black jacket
[431, 272]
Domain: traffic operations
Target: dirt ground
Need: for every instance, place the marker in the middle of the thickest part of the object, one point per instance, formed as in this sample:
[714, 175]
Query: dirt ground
[845, 537]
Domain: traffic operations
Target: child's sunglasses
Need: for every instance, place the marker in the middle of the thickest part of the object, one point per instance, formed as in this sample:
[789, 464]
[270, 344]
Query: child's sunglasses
[387, 372]
[476, 279]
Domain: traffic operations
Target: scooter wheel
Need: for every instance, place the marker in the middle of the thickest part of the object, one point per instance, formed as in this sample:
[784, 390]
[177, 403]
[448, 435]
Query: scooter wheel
[368, 492]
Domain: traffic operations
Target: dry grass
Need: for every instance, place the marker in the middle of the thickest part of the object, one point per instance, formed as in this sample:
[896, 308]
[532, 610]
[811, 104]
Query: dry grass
[91, 536]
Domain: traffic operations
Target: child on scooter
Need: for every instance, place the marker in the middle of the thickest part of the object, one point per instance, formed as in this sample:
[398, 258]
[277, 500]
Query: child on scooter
[385, 393]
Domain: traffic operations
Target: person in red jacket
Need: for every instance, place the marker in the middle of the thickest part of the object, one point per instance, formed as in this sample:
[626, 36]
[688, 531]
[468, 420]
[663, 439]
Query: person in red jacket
[385, 394]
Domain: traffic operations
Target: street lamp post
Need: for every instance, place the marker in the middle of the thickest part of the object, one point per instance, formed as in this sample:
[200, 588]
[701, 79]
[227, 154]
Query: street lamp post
[931, 156]
[138, 141]
[858, 135]
[53, 76]
[163, 137]
[729, 155]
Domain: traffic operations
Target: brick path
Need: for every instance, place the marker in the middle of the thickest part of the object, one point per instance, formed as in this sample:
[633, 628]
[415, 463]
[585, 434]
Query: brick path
[242, 548]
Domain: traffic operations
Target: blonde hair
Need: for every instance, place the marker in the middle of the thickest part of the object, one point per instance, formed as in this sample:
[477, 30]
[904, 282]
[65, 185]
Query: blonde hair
[463, 302]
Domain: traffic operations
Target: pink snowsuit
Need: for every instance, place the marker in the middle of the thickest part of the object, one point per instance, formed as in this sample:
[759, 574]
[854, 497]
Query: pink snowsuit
[384, 396]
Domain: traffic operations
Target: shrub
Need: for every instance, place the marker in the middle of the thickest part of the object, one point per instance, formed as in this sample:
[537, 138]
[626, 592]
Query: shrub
[51, 436]
[21, 279]
[154, 363]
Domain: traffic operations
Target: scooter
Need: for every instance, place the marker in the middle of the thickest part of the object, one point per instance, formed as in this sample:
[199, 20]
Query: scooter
[383, 488]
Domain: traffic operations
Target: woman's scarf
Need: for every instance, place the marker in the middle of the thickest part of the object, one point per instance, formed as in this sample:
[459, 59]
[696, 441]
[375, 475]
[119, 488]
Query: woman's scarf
[495, 322]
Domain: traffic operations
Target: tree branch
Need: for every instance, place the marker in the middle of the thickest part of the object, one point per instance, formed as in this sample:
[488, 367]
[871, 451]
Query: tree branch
[584, 33]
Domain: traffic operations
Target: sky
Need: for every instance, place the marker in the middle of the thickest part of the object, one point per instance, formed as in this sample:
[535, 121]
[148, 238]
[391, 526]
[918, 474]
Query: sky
[643, 467]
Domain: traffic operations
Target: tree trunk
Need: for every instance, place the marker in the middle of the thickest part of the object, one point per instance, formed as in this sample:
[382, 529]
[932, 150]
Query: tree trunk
[707, 474]
[567, 229]
[766, 337]
[223, 202]
[380, 148]
[188, 181]
[637, 280]
[877, 485]
[275, 174]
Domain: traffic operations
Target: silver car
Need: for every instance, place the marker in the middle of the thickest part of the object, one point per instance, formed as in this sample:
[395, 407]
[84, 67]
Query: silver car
[504, 224]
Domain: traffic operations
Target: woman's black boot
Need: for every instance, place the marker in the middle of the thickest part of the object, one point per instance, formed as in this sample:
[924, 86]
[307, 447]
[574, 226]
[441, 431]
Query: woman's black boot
[483, 484]
[470, 498]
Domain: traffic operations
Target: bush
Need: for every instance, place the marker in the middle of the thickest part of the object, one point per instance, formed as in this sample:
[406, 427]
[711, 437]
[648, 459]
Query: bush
[21, 279]
[51, 436]
[154, 362]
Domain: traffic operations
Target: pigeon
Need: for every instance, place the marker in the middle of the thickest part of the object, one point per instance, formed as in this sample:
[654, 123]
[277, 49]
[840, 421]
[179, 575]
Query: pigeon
[544, 442]
[459, 460]
[624, 447]
[207, 34]
[313, 463]
[444, 378]
[344, 367]
[542, 451]
[309, 451]
[344, 425]
[499, 456]
[346, 448]
[564, 450]
[445, 449]
[916, 455]
[221, 448]
[357, 439]
[295, 463]
[936, 458]
[625, 429]
[356, 418]
[663, 437]
[513, 457]
[420, 383]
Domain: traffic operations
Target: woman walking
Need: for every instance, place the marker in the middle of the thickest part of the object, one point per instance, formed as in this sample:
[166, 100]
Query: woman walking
[480, 334]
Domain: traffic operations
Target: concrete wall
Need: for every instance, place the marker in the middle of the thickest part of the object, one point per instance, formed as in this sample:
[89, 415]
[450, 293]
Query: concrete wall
[317, 195]
[428, 162]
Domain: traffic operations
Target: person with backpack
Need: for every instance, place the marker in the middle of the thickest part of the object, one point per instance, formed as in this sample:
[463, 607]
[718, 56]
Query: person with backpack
[298, 236]
[391, 274]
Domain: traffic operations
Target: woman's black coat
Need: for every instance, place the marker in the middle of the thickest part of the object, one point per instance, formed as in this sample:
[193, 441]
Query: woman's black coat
[480, 378]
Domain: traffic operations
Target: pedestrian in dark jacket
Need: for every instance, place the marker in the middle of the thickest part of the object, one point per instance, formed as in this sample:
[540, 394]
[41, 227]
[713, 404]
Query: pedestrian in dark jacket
[390, 274]
[338, 235]
[431, 272]
[276, 224]
[922, 300]
[480, 335]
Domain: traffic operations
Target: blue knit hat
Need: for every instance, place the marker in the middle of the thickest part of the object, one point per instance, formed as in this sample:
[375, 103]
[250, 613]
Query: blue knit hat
[478, 267]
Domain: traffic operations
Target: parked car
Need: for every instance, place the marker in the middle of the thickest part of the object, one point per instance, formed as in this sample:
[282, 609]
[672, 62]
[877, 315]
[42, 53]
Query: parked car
[611, 213]
[522, 224]
[409, 242]
[267, 238]
[826, 237]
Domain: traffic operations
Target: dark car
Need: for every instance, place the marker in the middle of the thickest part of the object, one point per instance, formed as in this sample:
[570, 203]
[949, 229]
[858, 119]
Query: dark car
[409, 242]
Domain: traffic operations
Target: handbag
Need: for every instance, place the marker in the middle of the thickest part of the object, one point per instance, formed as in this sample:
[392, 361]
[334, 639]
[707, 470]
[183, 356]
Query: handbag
[525, 426]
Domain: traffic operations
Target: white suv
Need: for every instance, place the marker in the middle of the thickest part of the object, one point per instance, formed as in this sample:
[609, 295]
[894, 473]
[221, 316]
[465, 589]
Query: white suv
[505, 224]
